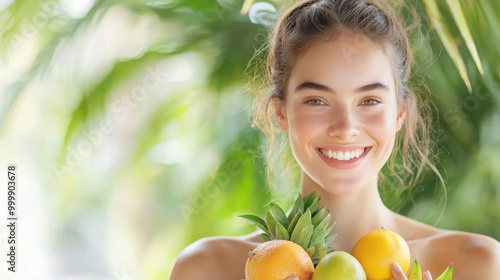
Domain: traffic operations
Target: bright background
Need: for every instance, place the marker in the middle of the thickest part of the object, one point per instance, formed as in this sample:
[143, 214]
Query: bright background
[129, 125]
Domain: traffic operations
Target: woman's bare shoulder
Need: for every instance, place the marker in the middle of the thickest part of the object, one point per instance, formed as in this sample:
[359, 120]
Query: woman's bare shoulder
[214, 258]
[474, 256]
[477, 256]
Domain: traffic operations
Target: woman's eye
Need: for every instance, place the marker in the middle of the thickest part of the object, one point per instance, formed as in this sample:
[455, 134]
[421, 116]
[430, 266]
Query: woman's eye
[314, 102]
[370, 102]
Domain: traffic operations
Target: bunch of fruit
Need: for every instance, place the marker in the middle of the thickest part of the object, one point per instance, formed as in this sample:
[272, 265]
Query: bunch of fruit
[297, 245]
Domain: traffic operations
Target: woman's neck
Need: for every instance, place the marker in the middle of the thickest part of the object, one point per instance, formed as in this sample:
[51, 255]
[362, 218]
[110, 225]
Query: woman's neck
[354, 214]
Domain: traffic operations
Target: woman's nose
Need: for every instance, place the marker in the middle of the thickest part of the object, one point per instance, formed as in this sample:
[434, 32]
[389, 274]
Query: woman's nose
[343, 125]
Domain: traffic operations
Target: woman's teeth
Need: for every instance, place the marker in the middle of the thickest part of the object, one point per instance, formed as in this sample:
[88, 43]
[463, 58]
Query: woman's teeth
[343, 155]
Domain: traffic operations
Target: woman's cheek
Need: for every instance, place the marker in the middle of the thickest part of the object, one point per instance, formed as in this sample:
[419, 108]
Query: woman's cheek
[381, 121]
[307, 122]
[382, 128]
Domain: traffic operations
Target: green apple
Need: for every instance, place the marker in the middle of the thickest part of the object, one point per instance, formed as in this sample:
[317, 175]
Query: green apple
[339, 265]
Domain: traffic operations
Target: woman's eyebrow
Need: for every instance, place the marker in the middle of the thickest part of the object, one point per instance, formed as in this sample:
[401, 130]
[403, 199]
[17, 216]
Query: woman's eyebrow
[371, 87]
[319, 87]
[313, 86]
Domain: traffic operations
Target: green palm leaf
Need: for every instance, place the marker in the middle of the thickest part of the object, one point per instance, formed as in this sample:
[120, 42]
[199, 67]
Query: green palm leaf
[447, 40]
[461, 22]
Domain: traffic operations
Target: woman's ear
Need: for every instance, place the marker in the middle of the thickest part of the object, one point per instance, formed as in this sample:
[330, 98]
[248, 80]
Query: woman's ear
[280, 114]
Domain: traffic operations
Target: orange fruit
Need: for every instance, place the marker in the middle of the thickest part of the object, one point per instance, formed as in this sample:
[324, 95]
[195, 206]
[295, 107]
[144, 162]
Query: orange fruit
[278, 260]
[378, 249]
[339, 265]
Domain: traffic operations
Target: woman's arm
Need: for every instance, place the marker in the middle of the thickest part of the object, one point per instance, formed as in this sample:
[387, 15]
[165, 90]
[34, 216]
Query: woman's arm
[195, 262]
[214, 258]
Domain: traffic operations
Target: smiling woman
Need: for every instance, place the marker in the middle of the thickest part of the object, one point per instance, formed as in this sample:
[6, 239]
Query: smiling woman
[338, 72]
[349, 108]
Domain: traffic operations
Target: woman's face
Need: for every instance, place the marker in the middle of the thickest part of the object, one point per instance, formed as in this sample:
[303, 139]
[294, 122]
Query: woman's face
[341, 113]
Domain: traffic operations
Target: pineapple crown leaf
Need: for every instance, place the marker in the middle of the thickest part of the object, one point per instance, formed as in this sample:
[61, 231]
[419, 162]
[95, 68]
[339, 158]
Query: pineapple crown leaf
[271, 223]
[298, 206]
[281, 232]
[278, 214]
[265, 237]
[294, 221]
[307, 224]
[257, 220]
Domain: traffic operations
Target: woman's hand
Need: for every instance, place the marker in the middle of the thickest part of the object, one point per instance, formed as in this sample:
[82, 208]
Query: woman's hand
[295, 277]
[399, 274]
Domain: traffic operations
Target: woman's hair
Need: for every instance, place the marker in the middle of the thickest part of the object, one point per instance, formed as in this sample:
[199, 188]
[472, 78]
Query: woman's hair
[312, 21]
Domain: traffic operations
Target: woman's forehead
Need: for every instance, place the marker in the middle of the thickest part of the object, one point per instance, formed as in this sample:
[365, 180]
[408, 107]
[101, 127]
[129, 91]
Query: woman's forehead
[347, 61]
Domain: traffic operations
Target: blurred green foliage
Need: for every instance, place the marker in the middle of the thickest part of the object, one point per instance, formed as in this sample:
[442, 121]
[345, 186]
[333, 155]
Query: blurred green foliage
[142, 123]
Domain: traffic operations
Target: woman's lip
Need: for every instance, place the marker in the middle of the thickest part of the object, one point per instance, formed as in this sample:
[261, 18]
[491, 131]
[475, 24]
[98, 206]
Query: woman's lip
[344, 164]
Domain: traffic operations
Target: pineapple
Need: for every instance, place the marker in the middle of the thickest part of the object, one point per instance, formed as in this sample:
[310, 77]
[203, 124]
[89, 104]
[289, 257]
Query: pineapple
[306, 224]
